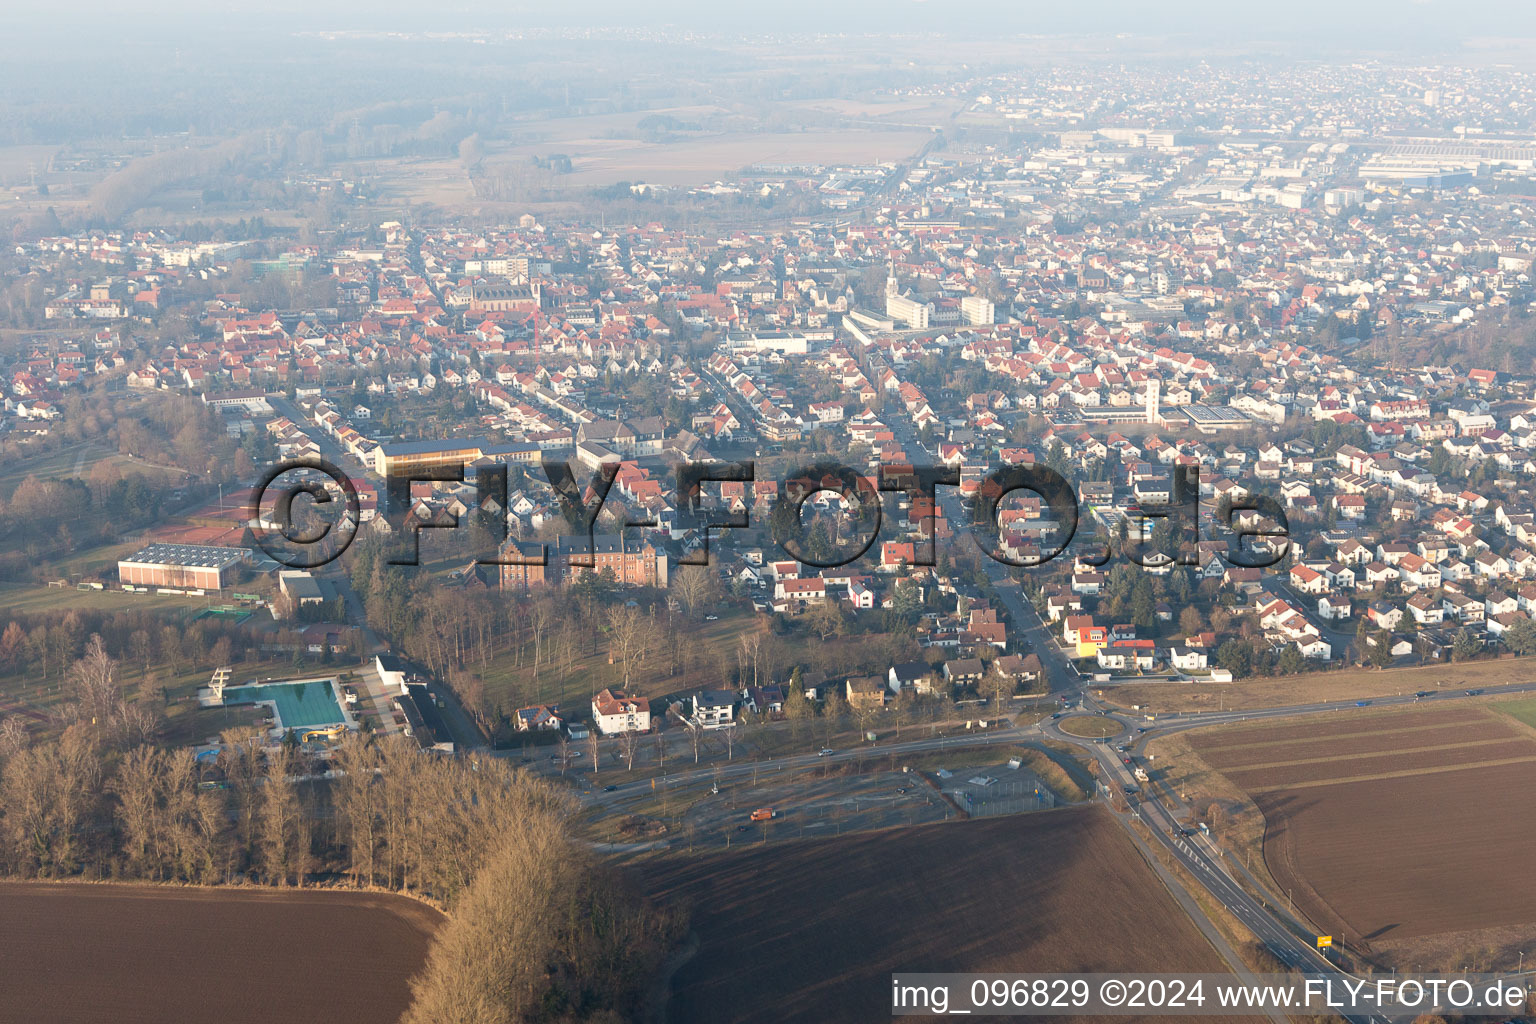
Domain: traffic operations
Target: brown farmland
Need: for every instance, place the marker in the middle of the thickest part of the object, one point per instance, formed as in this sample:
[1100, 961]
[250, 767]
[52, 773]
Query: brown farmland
[81, 953]
[811, 931]
[1393, 826]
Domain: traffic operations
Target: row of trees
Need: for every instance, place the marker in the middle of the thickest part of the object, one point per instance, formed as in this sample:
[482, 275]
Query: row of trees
[539, 929]
[41, 647]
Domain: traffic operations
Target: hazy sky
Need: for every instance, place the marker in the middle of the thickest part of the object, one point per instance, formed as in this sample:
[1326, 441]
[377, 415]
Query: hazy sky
[1327, 21]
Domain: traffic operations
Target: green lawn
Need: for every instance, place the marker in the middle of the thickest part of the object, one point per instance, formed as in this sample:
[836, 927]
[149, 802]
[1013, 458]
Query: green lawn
[1519, 710]
[62, 464]
[189, 725]
[1093, 727]
[50, 466]
[101, 559]
[26, 597]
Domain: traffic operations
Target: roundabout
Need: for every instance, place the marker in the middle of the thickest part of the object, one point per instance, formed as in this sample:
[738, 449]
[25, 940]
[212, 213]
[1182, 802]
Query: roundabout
[1091, 727]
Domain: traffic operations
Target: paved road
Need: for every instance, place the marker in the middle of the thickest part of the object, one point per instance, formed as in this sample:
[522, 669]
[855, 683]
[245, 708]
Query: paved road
[1027, 625]
[1276, 584]
[800, 762]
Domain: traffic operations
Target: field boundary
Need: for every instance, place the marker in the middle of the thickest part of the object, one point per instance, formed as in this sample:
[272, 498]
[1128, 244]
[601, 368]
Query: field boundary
[1406, 773]
[1360, 755]
[1291, 741]
[1319, 912]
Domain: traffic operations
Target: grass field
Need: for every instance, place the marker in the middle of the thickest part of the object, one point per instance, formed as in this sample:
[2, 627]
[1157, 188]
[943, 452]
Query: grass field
[18, 164]
[184, 721]
[76, 460]
[26, 597]
[519, 685]
[1523, 711]
[605, 148]
[1314, 687]
[1391, 828]
[1093, 727]
[811, 931]
[692, 161]
[148, 954]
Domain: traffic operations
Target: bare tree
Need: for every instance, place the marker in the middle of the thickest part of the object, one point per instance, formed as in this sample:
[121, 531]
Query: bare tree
[1000, 688]
[695, 734]
[241, 761]
[730, 735]
[563, 749]
[280, 811]
[137, 788]
[629, 744]
[631, 635]
[693, 585]
[749, 651]
[540, 617]
[94, 679]
[140, 723]
[13, 736]
[567, 642]
[356, 795]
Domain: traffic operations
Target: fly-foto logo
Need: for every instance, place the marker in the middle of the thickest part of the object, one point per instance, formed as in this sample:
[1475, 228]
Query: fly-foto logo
[301, 535]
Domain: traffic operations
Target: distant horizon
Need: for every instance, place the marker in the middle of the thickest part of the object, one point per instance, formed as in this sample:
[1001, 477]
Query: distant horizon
[1364, 25]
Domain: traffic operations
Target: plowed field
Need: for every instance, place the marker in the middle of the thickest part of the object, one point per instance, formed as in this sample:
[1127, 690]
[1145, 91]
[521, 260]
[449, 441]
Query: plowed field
[84, 954]
[811, 931]
[1391, 825]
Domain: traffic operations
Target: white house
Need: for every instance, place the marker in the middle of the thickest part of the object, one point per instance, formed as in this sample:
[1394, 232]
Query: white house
[1188, 659]
[714, 709]
[1332, 608]
[615, 712]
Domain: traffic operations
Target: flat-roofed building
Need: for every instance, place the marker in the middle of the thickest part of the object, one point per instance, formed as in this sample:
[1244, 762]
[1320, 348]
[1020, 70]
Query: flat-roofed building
[186, 566]
[399, 458]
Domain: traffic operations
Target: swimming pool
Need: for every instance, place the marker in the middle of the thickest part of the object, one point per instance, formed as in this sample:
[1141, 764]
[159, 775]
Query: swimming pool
[302, 704]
